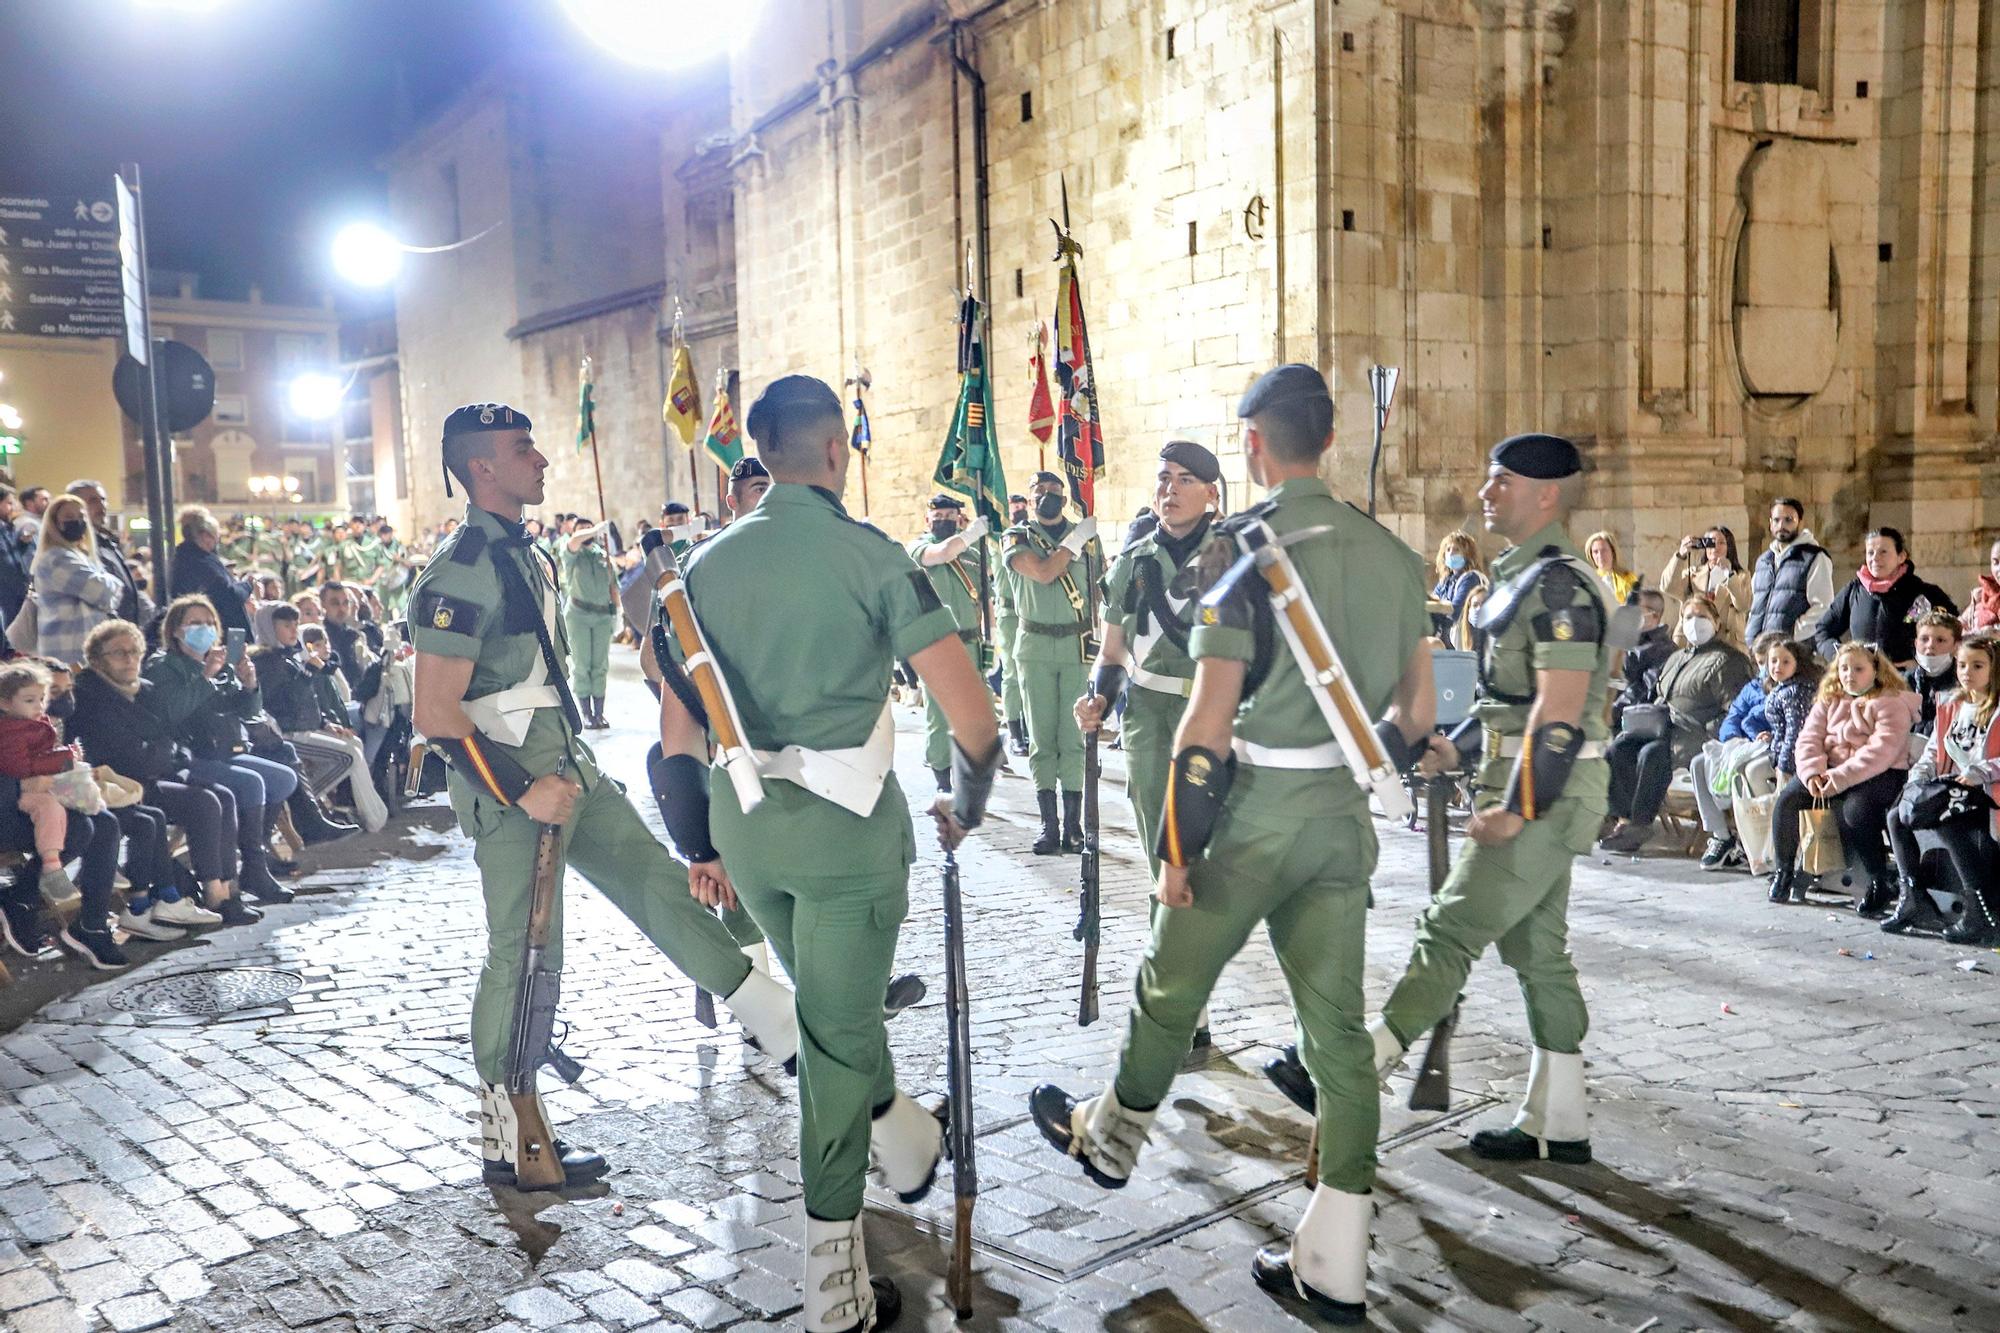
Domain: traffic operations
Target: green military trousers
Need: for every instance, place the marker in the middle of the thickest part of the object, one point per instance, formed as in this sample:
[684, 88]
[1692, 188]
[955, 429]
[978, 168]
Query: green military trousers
[1306, 879]
[830, 891]
[1010, 672]
[606, 842]
[590, 634]
[1151, 719]
[1055, 743]
[1518, 896]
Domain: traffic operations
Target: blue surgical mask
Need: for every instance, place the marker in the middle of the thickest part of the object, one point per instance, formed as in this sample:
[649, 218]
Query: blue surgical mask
[199, 639]
[1455, 561]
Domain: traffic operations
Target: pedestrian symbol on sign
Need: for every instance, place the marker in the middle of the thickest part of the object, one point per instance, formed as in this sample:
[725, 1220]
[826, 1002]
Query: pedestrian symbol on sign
[6, 321]
[82, 211]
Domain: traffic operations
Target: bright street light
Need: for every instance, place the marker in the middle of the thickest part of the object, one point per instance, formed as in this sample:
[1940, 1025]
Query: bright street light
[663, 35]
[366, 255]
[315, 396]
[10, 416]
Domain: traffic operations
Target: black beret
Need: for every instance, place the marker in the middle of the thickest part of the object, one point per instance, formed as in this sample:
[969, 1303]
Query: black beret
[476, 417]
[1188, 454]
[1017, 499]
[787, 395]
[673, 507]
[1047, 479]
[1284, 385]
[1542, 457]
[943, 501]
[747, 467]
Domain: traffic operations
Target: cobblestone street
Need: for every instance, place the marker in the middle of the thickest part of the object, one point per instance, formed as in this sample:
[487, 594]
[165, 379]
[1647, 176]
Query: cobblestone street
[1787, 1135]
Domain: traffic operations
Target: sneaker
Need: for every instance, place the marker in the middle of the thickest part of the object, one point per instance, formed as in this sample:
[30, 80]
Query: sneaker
[57, 891]
[96, 945]
[1716, 855]
[185, 912]
[21, 925]
[141, 925]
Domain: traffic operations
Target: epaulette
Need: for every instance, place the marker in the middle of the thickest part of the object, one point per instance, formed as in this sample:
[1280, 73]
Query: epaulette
[469, 546]
[1243, 518]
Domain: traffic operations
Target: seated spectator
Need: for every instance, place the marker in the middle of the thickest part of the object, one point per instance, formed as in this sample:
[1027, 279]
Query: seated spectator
[310, 611]
[1982, 606]
[199, 572]
[1655, 644]
[328, 746]
[356, 656]
[32, 754]
[1603, 553]
[268, 595]
[1882, 603]
[1460, 574]
[1853, 754]
[1936, 671]
[74, 590]
[1707, 564]
[204, 703]
[1745, 721]
[1965, 748]
[1696, 686]
[1795, 676]
[116, 724]
[93, 840]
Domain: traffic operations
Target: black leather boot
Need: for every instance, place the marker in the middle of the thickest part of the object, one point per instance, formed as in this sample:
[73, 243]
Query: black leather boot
[1914, 909]
[1976, 924]
[1072, 828]
[943, 776]
[1017, 731]
[311, 819]
[1881, 896]
[1051, 840]
[598, 720]
[1781, 885]
[255, 879]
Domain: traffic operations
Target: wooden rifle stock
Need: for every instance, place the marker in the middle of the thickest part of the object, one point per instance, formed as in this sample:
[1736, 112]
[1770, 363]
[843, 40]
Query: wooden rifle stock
[536, 1166]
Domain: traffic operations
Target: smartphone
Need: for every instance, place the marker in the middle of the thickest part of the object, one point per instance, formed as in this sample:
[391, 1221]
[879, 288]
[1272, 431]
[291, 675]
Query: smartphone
[234, 646]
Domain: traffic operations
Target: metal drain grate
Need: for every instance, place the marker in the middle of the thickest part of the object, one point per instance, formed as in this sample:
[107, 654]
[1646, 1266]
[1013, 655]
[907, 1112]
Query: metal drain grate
[208, 994]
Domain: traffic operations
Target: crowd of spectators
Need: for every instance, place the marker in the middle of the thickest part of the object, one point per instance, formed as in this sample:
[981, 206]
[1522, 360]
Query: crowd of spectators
[160, 766]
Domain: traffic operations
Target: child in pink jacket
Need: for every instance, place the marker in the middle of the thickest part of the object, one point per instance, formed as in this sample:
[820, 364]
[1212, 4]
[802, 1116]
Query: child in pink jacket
[1853, 754]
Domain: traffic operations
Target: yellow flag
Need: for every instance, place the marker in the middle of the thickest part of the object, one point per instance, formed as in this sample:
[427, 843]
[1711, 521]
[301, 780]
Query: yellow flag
[682, 410]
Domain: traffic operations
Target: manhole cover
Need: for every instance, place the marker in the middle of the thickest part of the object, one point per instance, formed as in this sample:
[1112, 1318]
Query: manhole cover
[221, 990]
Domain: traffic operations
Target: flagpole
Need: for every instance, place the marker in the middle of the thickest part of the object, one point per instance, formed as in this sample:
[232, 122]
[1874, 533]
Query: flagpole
[597, 473]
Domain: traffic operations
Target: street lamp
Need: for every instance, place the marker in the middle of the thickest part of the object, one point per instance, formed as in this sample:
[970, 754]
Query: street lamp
[10, 416]
[663, 36]
[315, 396]
[367, 256]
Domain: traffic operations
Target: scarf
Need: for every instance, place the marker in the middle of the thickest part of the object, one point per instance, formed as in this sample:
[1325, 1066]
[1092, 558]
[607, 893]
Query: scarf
[129, 691]
[1178, 549]
[1882, 585]
[1986, 602]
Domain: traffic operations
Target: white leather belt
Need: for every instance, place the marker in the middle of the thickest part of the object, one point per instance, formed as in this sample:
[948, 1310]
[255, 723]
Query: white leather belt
[505, 714]
[851, 778]
[1327, 755]
[1510, 748]
[1161, 684]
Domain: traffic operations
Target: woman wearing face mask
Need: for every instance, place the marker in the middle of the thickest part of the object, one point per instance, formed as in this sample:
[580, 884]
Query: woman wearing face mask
[204, 702]
[73, 590]
[1965, 748]
[1696, 686]
[1853, 753]
[1982, 608]
[1882, 603]
[1459, 574]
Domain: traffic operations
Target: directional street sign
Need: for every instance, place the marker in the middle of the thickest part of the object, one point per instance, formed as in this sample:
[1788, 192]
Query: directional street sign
[59, 269]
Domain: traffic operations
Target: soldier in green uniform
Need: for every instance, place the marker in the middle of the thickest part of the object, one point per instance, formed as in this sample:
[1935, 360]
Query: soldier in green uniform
[1006, 625]
[491, 696]
[307, 558]
[949, 555]
[358, 556]
[1262, 822]
[821, 859]
[590, 614]
[674, 517]
[393, 585]
[1051, 562]
[269, 550]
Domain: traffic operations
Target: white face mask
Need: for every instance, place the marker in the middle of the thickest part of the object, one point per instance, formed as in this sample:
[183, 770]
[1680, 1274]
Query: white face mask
[1934, 664]
[1698, 629]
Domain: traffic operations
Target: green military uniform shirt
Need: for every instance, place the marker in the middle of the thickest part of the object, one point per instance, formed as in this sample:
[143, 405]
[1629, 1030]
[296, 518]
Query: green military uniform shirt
[1046, 607]
[956, 582]
[586, 577]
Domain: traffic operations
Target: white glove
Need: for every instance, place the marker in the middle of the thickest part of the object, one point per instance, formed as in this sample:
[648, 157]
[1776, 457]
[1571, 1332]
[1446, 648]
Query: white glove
[974, 531]
[1085, 529]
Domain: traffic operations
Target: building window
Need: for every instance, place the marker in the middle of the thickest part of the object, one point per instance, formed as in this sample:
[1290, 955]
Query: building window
[225, 349]
[231, 409]
[1768, 41]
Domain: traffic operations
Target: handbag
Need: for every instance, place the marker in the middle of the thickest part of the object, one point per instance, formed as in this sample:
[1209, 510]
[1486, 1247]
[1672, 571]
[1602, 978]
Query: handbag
[1753, 824]
[1648, 722]
[1821, 851]
[24, 630]
[119, 790]
[1940, 801]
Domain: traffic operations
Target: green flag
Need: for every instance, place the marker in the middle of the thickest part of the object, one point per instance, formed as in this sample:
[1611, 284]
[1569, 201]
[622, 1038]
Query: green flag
[970, 462]
[586, 408]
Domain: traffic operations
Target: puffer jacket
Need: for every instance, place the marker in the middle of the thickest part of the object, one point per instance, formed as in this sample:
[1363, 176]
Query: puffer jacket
[1852, 740]
[1697, 685]
[206, 715]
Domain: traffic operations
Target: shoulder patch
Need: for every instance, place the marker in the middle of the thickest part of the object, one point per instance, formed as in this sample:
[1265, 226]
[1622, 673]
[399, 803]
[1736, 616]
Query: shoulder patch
[1558, 586]
[452, 615]
[471, 544]
[927, 595]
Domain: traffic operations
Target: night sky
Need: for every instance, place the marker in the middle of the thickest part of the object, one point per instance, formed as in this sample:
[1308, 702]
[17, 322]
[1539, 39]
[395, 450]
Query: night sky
[257, 124]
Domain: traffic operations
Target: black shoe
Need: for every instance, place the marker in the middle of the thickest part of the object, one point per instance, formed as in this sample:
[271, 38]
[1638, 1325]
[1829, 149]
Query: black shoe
[97, 946]
[580, 1167]
[943, 776]
[1271, 1269]
[1072, 823]
[1881, 896]
[1717, 855]
[1628, 839]
[1017, 730]
[254, 879]
[1053, 1110]
[1975, 922]
[21, 926]
[1781, 885]
[1051, 840]
[235, 912]
[598, 720]
[1288, 1073]
[888, 1305]
[904, 991]
[1514, 1145]
[309, 817]
[1914, 909]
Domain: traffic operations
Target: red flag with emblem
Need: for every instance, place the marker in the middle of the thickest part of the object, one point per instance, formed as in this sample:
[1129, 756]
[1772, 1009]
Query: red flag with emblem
[1079, 437]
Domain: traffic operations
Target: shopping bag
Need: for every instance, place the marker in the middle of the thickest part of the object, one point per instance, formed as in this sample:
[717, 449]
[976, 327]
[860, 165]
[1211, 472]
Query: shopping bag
[1753, 825]
[1820, 849]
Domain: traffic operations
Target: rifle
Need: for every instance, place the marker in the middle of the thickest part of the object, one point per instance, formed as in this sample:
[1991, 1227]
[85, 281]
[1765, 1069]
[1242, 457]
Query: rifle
[1089, 899]
[958, 1083]
[532, 1045]
[1432, 1091]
